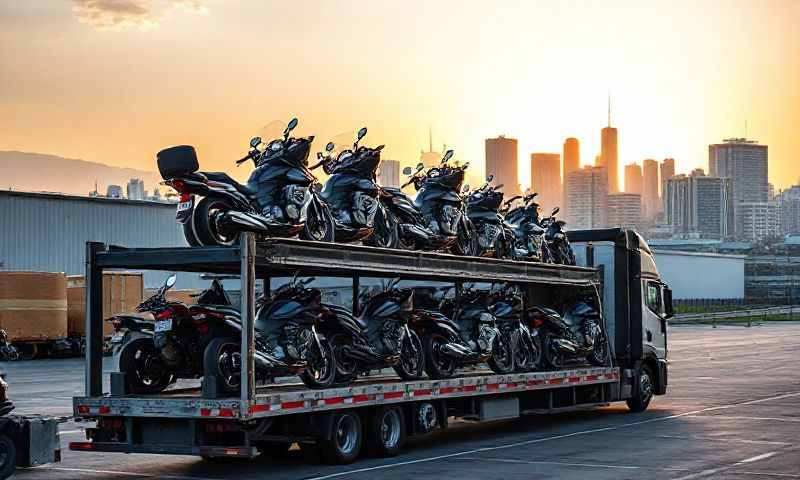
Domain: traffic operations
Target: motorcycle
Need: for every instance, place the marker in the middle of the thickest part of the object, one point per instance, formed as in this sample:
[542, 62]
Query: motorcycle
[495, 236]
[470, 338]
[378, 338]
[286, 341]
[556, 239]
[507, 307]
[279, 200]
[435, 219]
[8, 352]
[524, 222]
[575, 336]
[352, 194]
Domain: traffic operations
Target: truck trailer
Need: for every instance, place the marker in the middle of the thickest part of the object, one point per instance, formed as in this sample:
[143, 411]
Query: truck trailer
[379, 411]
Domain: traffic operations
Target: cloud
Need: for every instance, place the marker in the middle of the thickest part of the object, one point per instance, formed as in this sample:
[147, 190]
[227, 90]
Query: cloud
[143, 15]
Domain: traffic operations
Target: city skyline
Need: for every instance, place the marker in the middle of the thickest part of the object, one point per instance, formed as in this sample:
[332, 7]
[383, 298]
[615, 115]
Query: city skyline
[208, 78]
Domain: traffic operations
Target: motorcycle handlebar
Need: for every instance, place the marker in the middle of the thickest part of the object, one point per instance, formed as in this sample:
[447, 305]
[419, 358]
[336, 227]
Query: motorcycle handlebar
[244, 159]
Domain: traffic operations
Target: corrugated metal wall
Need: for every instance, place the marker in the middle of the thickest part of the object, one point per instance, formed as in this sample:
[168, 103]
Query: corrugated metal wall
[43, 232]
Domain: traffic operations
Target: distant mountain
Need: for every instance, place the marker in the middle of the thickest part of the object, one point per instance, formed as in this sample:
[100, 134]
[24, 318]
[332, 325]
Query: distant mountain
[38, 172]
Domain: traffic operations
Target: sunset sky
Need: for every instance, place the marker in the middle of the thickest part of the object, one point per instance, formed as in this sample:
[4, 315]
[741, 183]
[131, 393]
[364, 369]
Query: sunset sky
[114, 81]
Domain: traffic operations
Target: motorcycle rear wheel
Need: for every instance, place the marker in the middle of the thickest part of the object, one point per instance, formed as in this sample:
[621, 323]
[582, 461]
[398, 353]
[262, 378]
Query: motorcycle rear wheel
[502, 359]
[204, 225]
[321, 371]
[189, 233]
[139, 362]
[437, 365]
[412, 360]
[219, 361]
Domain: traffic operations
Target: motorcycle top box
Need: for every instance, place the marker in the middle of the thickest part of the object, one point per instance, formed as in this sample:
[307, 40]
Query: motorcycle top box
[177, 161]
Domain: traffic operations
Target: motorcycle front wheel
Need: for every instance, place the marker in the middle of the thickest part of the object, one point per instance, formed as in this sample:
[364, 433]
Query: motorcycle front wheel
[412, 358]
[321, 370]
[140, 363]
[385, 234]
[205, 226]
[599, 354]
[502, 359]
[319, 225]
[528, 353]
[221, 360]
[466, 243]
[551, 356]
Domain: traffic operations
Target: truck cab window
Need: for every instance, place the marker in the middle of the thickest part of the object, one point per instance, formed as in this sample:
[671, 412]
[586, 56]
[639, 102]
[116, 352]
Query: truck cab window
[654, 297]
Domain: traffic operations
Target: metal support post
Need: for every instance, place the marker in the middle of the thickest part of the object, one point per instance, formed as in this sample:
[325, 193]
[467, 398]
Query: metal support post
[93, 287]
[248, 287]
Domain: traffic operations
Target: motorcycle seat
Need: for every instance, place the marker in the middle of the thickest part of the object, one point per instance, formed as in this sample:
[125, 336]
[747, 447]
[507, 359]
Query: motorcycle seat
[223, 177]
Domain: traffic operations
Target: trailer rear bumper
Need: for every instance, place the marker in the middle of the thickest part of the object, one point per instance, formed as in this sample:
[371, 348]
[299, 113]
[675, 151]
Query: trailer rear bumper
[119, 447]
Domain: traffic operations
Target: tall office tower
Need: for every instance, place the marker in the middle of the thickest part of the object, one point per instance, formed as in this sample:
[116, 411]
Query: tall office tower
[624, 210]
[745, 163]
[501, 161]
[633, 178]
[572, 155]
[608, 156]
[650, 197]
[678, 205]
[712, 207]
[586, 193]
[667, 169]
[389, 175]
[135, 189]
[789, 201]
[758, 221]
[546, 179]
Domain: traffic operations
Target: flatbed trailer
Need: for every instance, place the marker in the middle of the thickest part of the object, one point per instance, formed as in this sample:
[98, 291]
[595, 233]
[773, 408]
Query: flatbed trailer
[271, 417]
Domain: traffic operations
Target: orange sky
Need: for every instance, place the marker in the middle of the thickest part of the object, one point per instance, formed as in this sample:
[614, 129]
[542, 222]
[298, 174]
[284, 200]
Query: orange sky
[116, 80]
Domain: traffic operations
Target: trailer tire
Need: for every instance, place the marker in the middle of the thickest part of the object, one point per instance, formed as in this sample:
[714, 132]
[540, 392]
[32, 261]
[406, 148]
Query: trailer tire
[8, 456]
[642, 390]
[434, 366]
[342, 442]
[386, 431]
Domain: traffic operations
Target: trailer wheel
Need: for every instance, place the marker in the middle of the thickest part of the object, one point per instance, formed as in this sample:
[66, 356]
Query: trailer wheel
[343, 442]
[642, 390]
[437, 364]
[386, 431]
[8, 456]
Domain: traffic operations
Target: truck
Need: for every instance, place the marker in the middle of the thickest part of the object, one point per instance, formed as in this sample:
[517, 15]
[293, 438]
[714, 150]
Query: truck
[378, 412]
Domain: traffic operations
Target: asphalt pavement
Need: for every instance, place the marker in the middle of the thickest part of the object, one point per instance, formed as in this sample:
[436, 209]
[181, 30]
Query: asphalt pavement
[732, 411]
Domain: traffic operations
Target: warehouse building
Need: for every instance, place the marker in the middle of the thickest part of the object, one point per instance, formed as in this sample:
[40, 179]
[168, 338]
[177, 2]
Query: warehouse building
[687, 274]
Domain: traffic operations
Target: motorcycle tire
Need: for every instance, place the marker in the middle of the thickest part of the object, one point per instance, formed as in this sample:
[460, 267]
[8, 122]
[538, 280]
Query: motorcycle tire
[599, 355]
[346, 369]
[386, 233]
[189, 233]
[133, 357]
[204, 226]
[8, 456]
[528, 353]
[322, 375]
[502, 359]
[218, 362]
[436, 365]
[412, 360]
[551, 358]
[466, 244]
[319, 226]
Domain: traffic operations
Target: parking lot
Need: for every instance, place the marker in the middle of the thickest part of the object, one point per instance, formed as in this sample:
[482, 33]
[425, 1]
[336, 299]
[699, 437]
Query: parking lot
[732, 411]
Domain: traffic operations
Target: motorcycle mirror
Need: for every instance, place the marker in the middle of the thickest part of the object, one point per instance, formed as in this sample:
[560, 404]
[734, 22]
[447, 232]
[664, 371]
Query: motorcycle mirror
[489, 178]
[329, 147]
[465, 189]
[555, 210]
[308, 280]
[290, 127]
[407, 171]
[361, 133]
[420, 166]
[170, 281]
[447, 156]
[255, 141]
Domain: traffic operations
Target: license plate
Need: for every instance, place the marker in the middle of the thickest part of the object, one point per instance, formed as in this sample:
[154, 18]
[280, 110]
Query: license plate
[117, 338]
[184, 211]
[163, 325]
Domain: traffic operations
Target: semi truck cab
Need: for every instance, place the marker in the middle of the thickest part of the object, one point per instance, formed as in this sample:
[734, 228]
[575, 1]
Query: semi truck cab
[637, 304]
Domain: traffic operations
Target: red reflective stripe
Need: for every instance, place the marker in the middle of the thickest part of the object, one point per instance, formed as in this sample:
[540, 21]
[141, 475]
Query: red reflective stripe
[511, 385]
[419, 393]
[104, 409]
[83, 408]
[535, 382]
[446, 390]
[470, 388]
[205, 412]
[393, 395]
[81, 446]
[226, 412]
[554, 381]
[334, 401]
[360, 398]
[492, 386]
[297, 404]
[574, 379]
[260, 407]
[591, 378]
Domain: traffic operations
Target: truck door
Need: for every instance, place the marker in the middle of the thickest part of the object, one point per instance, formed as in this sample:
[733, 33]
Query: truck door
[654, 318]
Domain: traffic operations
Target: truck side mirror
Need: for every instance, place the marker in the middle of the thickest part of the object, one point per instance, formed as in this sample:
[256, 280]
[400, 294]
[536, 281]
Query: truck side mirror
[669, 312]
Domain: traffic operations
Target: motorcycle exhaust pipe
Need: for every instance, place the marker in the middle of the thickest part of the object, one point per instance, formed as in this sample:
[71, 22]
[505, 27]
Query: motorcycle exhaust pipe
[456, 351]
[233, 220]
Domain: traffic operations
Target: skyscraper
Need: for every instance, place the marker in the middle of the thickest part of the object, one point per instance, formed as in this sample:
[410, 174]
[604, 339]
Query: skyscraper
[678, 204]
[546, 178]
[633, 178]
[135, 189]
[650, 197]
[624, 210]
[789, 201]
[501, 161]
[572, 155]
[608, 156]
[712, 213]
[586, 193]
[389, 175]
[745, 163]
[667, 169]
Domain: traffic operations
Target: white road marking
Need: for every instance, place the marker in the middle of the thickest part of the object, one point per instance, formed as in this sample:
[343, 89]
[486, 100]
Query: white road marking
[770, 474]
[759, 457]
[556, 437]
[712, 471]
[740, 417]
[121, 473]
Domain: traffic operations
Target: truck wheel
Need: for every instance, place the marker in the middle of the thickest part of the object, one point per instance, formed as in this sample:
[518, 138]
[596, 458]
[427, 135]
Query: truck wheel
[221, 359]
[642, 390]
[437, 365]
[386, 431]
[412, 358]
[204, 225]
[344, 439]
[8, 456]
[141, 364]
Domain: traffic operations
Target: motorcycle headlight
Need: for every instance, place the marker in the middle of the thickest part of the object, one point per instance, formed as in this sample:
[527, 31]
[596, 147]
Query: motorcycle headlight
[275, 145]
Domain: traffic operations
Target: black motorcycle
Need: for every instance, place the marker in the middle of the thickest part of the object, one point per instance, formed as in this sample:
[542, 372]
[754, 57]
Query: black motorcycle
[378, 338]
[279, 199]
[352, 194]
[286, 341]
[576, 336]
[435, 219]
[495, 236]
[470, 338]
[556, 239]
[8, 352]
[506, 305]
[524, 221]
